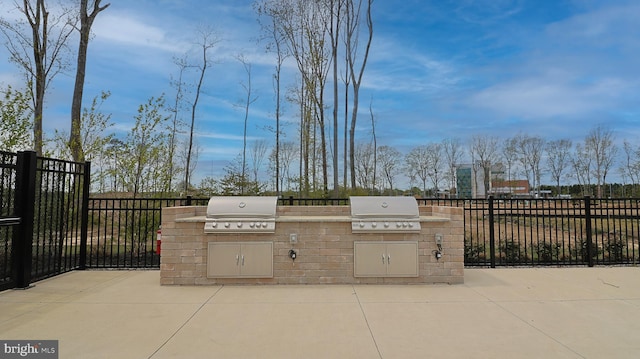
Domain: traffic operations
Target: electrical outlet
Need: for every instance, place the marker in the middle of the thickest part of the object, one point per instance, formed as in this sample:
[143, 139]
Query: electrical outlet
[293, 238]
[439, 239]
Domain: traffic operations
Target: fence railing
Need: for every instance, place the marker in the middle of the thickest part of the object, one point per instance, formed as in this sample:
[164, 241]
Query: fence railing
[49, 225]
[122, 231]
[504, 232]
[42, 231]
[8, 220]
[531, 232]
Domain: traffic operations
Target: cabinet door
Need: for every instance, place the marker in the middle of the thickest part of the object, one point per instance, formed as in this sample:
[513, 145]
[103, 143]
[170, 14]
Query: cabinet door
[223, 260]
[369, 259]
[402, 259]
[256, 260]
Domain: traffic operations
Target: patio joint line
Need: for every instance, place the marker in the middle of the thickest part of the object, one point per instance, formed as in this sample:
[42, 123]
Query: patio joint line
[186, 322]
[497, 303]
[364, 315]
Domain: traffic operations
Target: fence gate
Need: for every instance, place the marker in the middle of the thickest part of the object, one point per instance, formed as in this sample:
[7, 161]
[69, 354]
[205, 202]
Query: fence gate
[42, 217]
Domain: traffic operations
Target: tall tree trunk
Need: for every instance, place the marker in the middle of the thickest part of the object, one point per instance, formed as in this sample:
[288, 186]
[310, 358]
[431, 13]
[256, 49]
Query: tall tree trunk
[86, 21]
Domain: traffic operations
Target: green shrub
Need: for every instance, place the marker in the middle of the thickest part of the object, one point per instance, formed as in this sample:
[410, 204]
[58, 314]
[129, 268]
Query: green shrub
[511, 251]
[615, 249]
[547, 251]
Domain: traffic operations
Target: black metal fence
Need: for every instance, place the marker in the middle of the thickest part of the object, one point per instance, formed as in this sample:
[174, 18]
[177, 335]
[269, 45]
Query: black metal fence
[122, 231]
[8, 220]
[537, 232]
[49, 225]
[43, 203]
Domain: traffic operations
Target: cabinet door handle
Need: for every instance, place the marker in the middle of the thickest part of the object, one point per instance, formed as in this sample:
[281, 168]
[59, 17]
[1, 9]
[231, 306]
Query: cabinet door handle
[382, 258]
[237, 259]
[388, 258]
[243, 259]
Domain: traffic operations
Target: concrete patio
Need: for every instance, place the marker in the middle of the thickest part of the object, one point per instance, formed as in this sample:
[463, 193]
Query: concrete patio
[496, 313]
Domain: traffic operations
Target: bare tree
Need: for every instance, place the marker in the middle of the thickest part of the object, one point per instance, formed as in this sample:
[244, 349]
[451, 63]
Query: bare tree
[418, 164]
[352, 19]
[600, 145]
[510, 155]
[452, 150]
[631, 167]
[177, 123]
[303, 25]
[581, 163]
[484, 150]
[248, 100]
[365, 165]
[558, 158]
[334, 21]
[258, 152]
[183, 152]
[531, 150]
[289, 152]
[276, 44]
[436, 160]
[38, 45]
[208, 39]
[86, 21]
[388, 159]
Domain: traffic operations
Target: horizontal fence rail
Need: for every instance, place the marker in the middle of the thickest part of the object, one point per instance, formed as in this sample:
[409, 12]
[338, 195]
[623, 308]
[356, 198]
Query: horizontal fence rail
[498, 232]
[532, 232]
[41, 206]
[122, 231]
[57, 225]
[8, 220]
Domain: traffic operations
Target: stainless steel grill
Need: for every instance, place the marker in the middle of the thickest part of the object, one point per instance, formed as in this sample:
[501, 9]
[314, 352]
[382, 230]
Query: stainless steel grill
[226, 214]
[385, 214]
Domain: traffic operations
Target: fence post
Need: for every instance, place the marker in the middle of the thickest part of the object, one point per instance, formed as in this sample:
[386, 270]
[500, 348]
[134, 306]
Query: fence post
[189, 198]
[84, 225]
[25, 198]
[291, 200]
[587, 219]
[492, 234]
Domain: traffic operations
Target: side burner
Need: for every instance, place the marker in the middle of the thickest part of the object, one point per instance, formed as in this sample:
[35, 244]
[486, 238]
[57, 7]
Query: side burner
[384, 214]
[250, 214]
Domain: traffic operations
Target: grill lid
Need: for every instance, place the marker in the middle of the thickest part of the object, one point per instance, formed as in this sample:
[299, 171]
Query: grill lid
[380, 214]
[248, 214]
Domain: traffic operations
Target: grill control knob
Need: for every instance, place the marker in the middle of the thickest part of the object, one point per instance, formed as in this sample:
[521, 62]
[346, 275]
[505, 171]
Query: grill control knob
[386, 224]
[239, 224]
[227, 224]
[361, 224]
[405, 224]
[398, 224]
[374, 224]
[214, 224]
[410, 225]
[252, 224]
[264, 224]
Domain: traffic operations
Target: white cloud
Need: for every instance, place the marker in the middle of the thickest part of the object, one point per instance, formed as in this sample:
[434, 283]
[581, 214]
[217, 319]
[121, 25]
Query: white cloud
[123, 29]
[548, 97]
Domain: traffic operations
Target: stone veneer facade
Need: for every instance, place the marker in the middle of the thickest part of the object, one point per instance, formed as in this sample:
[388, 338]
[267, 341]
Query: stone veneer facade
[325, 247]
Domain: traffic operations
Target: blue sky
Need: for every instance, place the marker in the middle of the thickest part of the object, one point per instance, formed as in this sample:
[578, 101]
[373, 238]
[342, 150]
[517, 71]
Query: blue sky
[437, 69]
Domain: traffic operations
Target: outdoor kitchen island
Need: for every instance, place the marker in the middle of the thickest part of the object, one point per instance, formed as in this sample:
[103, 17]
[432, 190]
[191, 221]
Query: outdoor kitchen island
[251, 240]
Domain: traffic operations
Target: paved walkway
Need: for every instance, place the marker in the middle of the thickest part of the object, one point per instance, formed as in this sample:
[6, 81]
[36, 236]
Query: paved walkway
[497, 313]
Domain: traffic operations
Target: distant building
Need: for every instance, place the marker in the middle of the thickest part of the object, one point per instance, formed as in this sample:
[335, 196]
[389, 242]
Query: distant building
[468, 185]
[465, 187]
[510, 188]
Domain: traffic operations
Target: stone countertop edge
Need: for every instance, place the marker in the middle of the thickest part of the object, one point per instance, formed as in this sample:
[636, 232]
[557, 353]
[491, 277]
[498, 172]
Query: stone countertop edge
[311, 219]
